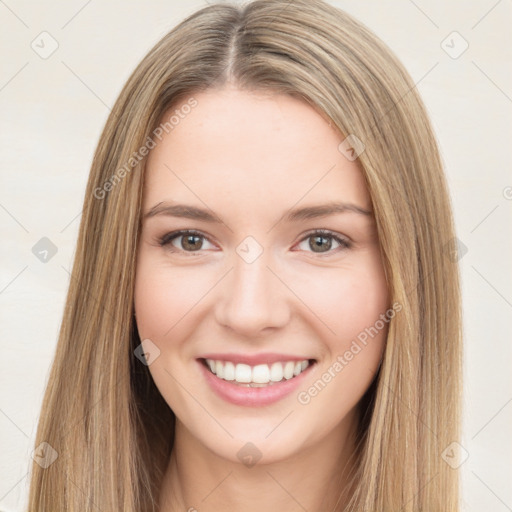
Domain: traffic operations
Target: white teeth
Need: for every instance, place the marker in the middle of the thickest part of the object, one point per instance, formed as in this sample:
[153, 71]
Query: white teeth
[276, 372]
[259, 375]
[242, 372]
[229, 371]
[219, 369]
[288, 370]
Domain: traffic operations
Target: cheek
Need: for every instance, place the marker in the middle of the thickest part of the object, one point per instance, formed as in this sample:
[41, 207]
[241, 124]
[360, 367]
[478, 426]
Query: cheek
[152, 296]
[353, 308]
[165, 295]
[350, 304]
[164, 301]
[347, 300]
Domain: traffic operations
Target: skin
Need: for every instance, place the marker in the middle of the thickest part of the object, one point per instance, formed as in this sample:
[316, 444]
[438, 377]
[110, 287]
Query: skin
[250, 158]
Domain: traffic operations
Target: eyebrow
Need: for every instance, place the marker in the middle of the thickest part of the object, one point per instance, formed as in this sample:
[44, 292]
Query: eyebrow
[295, 215]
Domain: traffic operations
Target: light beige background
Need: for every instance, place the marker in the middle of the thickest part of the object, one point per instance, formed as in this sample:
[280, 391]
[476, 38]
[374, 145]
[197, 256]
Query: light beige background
[53, 110]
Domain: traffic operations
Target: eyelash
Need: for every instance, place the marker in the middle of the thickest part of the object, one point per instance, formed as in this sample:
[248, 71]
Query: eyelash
[166, 239]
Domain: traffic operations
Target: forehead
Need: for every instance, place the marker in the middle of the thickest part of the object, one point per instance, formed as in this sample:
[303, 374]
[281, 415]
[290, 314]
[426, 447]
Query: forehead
[251, 150]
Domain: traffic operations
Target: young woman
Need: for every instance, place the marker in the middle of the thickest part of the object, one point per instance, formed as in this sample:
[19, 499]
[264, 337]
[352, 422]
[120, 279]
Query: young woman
[264, 309]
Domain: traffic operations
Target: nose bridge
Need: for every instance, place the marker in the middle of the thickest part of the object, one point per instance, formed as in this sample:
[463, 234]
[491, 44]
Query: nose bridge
[252, 298]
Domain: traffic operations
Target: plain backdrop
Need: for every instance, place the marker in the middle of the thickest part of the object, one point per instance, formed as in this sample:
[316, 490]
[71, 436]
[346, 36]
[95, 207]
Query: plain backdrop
[53, 108]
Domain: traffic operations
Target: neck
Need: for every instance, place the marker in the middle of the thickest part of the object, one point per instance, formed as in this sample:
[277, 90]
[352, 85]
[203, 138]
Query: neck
[315, 478]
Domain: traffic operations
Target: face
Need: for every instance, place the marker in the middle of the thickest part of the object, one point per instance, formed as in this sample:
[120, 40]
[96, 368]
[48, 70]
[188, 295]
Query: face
[242, 270]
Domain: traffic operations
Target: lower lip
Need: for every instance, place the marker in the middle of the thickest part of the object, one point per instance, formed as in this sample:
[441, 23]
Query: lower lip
[253, 397]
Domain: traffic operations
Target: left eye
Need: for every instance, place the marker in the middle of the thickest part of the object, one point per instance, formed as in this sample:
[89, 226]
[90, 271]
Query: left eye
[322, 240]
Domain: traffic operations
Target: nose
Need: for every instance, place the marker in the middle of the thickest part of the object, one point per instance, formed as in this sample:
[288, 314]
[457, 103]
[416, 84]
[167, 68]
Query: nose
[252, 298]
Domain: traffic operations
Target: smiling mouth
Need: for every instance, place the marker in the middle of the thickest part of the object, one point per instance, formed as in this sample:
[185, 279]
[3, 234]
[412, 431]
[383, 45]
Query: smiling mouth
[261, 375]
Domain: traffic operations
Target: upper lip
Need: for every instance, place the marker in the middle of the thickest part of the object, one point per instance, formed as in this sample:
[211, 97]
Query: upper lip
[254, 359]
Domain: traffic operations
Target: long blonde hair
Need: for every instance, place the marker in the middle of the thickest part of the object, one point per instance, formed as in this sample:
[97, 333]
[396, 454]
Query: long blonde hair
[102, 413]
